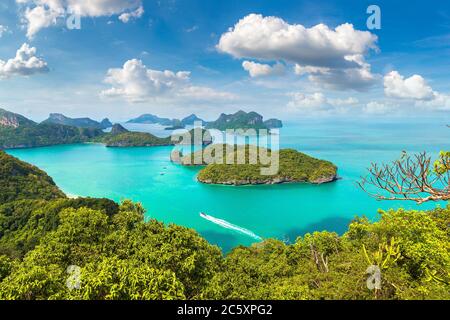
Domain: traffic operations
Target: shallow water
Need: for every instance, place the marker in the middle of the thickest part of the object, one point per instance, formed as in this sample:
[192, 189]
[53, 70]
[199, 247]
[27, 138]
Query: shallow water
[171, 193]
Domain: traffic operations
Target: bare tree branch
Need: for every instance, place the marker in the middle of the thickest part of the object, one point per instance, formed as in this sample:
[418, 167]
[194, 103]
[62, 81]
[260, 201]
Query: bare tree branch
[413, 178]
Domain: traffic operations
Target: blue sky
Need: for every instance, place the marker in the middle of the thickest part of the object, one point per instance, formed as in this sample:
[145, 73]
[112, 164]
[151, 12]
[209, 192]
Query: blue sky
[276, 61]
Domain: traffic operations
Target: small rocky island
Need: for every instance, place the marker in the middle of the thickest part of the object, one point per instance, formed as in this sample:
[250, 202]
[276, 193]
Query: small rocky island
[121, 137]
[294, 167]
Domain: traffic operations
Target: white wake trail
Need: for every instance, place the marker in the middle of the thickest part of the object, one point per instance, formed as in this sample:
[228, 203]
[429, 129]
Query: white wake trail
[228, 225]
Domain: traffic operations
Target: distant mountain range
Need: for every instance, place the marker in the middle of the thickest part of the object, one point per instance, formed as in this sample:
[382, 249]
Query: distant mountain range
[240, 119]
[16, 131]
[170, 123]
[58, 118]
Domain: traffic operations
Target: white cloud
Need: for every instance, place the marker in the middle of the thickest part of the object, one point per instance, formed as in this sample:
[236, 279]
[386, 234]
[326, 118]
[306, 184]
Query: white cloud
[301, 70]
[271, 38]
[39, 14]
[318, 102]
[359, 78]
[25, 63]
[314, 101]
[333, 57]
[439, 102]
[127, 16]
[414, 87]
[259, 70]
[205, 93]
[343, 102]
[3, 30]
[137, 83]
[376, 107]
[192, 29]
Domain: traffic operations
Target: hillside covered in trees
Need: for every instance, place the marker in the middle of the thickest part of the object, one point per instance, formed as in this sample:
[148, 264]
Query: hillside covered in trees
[117, 254]
[247, 162]
[16, 131]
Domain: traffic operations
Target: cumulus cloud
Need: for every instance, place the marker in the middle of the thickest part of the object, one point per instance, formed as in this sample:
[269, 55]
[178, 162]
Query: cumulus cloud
[261, 70]
[439, 102]
[318, 102]
[333, 57]
[271, 38]
[39, 14]
[137, 83]
[414, 87]
[358, 79]
[25, 63]
[314, 101]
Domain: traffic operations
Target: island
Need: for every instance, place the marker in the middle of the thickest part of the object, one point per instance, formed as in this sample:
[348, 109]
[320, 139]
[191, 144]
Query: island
[58, 118]
[294, 166]
[243, 120]
[273, 123]
[16, 131]
[171, 124]
[121, 137]
[20, 180]
[191, 119]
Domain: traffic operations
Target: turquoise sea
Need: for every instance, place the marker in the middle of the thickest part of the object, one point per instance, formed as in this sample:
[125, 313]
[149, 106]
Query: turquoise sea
[171, 193]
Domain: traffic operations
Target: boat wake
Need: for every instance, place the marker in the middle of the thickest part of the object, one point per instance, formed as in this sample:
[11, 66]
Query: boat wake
[228, 225]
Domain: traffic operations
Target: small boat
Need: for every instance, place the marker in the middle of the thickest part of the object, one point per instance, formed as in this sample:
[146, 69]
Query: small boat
[202, 214]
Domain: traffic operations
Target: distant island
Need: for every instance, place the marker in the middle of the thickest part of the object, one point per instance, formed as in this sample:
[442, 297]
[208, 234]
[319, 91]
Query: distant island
[151, 119]
[16, 131]
[294, 166]
[58, 118]
[190, 120]
[243, 120]
[121, 137]
[171, 124]
[238, 120]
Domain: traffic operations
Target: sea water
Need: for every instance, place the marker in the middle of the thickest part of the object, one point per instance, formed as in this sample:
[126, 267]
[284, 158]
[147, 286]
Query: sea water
[170, 192]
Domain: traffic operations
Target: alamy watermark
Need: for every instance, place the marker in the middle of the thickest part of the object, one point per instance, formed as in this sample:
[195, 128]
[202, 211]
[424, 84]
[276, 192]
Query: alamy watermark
[73, 21]
[74, 279]
[374, 20]
[374, 279]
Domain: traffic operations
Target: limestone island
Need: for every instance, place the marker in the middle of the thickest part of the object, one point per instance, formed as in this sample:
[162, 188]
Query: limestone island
[294, 166]
[120, 137]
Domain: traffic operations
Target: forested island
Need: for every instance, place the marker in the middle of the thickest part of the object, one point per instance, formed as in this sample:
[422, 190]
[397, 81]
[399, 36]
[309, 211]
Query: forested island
[16, 131]
[121, 137]
[121, 255]
[237, 120]
[294, 166]
[58, 118]
[243, 120]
